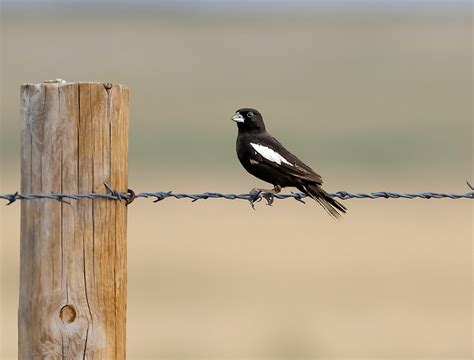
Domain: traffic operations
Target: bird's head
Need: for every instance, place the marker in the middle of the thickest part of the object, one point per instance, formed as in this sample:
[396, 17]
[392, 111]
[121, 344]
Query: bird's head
[249, 120]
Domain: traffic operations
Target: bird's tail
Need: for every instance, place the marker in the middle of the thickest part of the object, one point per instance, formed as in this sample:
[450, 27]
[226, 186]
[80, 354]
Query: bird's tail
[331, 205]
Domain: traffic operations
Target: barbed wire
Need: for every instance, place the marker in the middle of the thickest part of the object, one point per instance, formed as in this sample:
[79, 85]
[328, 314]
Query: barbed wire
[252, 197]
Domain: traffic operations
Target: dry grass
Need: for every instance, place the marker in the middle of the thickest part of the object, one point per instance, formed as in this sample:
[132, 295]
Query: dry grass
[216, 279]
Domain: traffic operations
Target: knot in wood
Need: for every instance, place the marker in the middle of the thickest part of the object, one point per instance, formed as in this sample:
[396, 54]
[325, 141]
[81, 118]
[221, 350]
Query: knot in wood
[68, 314]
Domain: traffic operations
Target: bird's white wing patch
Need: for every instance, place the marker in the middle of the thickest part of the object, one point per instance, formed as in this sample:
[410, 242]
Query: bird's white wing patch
[270, 154]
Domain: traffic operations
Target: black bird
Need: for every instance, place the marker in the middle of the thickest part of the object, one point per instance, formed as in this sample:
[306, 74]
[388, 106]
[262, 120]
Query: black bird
[264, 157]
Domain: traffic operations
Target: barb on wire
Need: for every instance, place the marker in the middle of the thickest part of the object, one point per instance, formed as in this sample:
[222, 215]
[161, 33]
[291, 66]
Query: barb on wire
[252, 197]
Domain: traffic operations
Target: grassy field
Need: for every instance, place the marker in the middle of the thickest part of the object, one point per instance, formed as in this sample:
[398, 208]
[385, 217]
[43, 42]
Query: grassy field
[374, 102]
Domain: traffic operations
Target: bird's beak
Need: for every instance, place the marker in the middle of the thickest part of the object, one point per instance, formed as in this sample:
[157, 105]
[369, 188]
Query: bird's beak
[238, 118]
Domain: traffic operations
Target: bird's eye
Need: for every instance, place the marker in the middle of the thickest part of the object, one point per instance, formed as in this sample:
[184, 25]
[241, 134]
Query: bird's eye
[250, 114]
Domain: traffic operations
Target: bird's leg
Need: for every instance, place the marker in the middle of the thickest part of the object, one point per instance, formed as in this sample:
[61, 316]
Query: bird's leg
[257, 195]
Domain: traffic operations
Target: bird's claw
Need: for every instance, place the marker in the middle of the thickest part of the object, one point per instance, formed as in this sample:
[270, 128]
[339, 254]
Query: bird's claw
[254, 197]
[257, 195]
[268, 196]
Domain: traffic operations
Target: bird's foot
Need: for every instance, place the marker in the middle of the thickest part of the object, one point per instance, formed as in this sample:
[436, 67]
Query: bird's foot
[257, 195]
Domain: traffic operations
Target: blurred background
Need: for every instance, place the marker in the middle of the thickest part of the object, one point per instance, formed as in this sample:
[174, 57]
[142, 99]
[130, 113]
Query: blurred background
[375, 95]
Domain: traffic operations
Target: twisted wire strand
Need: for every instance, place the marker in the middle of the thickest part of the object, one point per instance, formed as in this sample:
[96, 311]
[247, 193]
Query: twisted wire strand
[252, 197]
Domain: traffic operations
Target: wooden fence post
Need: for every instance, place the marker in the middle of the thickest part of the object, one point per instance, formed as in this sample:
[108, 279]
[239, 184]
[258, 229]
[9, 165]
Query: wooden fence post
[73, 272]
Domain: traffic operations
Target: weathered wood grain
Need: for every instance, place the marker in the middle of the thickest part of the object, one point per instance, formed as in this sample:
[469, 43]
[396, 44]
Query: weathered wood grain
[73, 256]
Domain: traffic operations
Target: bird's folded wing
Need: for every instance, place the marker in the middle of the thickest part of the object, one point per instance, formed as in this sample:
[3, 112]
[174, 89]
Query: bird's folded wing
[273, 154]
